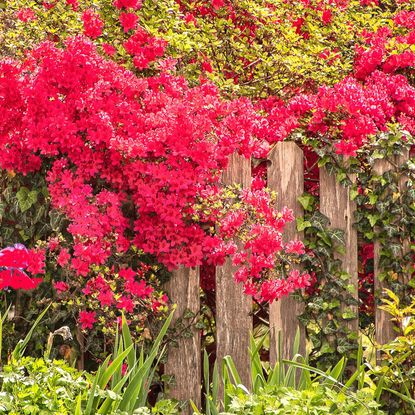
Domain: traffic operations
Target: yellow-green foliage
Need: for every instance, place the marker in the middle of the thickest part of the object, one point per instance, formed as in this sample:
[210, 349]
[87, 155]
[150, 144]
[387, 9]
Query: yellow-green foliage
[273, 59]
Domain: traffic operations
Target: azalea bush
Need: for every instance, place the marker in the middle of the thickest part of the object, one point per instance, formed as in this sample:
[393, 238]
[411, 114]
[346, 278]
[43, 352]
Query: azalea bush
[241, 47]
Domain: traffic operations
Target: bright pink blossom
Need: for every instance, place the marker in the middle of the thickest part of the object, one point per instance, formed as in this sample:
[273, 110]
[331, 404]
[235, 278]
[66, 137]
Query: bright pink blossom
[127, 4]
[128, 21]
[93, 23]
[26, 15]
[61, 286]
[87, 319]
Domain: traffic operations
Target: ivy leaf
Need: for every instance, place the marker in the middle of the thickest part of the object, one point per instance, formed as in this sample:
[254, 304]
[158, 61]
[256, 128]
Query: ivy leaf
[325, 238]
[341, 249]
[302, 224]
[373, 218]
[330, 328]
[373, 197]
[390, 230]
[319, 221]
[306, 201]
[354, 192]
[348, 314]
[326, 348]
[323, 161]
[344, 346]
[337, 236]
[395, 249]
[369, 235]
[340, 176]
[56, 220]
[324, 251]
[26, 198]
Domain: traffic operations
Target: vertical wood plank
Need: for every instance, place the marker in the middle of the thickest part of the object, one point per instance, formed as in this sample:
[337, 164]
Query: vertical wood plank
[184, 361]
[336, 204]
[286, 177]
[383, 325]
[233, 307]
[384, 332]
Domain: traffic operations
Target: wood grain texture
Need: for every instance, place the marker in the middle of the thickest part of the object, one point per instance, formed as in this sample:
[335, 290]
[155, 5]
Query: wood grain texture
[336, 204]
[384, 332]
[233, 307]
[286, 177]
[184, 361]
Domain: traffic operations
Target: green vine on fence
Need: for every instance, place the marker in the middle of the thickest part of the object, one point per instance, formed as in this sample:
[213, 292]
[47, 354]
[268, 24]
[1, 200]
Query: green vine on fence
[385, 215]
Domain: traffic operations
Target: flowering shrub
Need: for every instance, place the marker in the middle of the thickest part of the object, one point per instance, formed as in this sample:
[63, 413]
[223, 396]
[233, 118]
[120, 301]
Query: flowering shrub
[249, 217]
[126, 160]
[101, 297]
[241, 47]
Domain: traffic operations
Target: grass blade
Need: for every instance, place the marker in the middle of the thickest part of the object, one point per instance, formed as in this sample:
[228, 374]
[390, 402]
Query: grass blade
[78, 409]
[113, 367]
[21, 346]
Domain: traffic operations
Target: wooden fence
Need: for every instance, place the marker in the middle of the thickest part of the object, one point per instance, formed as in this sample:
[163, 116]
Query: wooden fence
[233, 308]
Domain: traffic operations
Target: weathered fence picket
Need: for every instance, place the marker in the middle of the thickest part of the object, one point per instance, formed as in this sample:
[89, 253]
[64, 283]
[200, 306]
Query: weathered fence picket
[184, 361]
[384, 332]
[384, 327]
[286, 177]
[233, 308]
[336, 204]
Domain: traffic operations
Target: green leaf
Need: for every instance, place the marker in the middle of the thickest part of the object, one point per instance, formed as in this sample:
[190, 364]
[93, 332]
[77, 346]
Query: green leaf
[337, 236]
[348, 314]
[319, 221]
[117, 362]
[354, 193]
[373, 198]
[373, 218]
[302, 224]
[21, 346]
[128, 342]
[78, 409]
[306, 201]
[26, 198]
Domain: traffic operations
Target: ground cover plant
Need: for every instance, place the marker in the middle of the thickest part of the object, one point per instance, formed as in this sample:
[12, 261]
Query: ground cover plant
[290, 386]
[118, 119]
[119, 387]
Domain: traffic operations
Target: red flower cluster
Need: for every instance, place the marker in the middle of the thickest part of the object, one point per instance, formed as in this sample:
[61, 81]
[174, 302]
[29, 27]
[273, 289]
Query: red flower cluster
[93, 24]
[351, 112]
[144, 47]
[128, 21]
[127, 4]
[109, 294]
[15, 262]
[250, 218]
[87, 319]
[26, 14]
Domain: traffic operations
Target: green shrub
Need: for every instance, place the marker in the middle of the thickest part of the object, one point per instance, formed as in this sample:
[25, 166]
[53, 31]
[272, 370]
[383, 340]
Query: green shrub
[290, 401]
[38, 386]
[396, 372]
[290, 387]
[42, 386]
